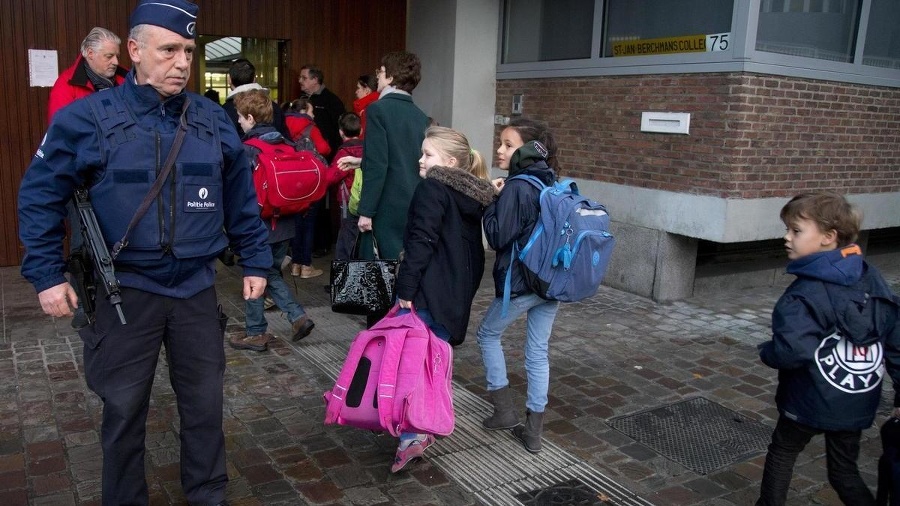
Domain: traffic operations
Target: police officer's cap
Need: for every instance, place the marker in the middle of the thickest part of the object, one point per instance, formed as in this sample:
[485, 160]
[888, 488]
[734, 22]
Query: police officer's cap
[179, 16]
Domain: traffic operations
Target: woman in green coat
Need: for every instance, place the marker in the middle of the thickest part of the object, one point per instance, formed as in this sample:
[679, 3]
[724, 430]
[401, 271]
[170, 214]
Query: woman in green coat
[395, 128]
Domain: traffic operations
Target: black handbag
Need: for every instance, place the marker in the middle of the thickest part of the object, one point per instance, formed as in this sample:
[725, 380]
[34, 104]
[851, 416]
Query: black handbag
[363, 286]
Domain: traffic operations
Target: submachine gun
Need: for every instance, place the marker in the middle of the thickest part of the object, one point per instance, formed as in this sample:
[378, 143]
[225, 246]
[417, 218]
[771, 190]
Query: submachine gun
[93, 264]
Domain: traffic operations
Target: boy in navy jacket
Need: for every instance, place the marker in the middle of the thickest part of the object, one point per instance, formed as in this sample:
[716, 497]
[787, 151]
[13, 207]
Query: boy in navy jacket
[834, 330]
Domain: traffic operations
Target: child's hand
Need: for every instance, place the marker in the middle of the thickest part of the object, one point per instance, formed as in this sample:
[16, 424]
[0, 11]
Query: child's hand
[405, 304]
[498, 183]
[349, 163]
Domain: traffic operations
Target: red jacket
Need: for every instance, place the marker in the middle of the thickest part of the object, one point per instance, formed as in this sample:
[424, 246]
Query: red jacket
[350, 147]
[359, 107]
[297, 122]
[73, 84]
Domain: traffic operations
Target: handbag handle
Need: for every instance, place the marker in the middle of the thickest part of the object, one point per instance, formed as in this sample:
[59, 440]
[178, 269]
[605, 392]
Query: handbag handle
[355, 253]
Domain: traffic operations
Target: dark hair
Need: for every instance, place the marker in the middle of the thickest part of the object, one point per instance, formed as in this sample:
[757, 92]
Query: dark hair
[212, 95]
[241, 72]
[314, 72]
[368, 81]
[405, 68]
[256, 103]
[534, 130]
[349, 124]
[829, 210]
[299, 104]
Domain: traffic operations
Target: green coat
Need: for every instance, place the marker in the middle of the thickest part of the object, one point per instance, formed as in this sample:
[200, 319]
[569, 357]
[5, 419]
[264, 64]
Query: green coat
[395, 129]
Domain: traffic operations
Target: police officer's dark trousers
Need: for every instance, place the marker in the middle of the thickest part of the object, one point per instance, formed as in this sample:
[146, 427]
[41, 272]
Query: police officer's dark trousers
[120, 363]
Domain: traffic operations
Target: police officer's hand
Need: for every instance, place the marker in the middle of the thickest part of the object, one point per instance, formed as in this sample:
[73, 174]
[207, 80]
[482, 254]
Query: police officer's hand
[59, 300]
[254, 287]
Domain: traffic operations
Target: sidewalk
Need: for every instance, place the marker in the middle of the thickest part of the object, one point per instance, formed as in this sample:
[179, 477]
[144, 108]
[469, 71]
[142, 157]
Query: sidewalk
[621, 365]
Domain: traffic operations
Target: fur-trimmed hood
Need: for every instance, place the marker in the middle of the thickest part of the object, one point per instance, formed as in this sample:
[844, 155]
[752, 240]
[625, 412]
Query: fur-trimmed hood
[464, 182]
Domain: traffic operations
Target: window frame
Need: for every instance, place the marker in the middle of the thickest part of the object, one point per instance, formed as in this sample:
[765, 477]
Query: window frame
[742, 56]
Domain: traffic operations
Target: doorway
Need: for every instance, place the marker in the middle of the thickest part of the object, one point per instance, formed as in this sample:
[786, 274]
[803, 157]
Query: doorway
[215, 54]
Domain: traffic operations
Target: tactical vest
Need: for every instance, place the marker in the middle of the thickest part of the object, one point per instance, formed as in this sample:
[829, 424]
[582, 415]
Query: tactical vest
[187, 217]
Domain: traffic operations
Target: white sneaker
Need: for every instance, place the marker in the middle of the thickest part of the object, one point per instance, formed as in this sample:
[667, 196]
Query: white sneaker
[286, 262]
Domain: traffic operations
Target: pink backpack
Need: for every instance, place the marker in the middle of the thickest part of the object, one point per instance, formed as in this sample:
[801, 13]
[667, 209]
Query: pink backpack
[396, 377]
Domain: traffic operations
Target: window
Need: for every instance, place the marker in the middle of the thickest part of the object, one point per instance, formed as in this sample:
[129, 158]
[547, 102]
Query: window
[824, 29]
[545, 30]
[882, 47]
[856, 41]
[645, 27]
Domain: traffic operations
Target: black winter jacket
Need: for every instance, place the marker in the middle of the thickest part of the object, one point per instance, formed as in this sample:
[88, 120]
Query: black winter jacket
[443, 256]
[833, 332]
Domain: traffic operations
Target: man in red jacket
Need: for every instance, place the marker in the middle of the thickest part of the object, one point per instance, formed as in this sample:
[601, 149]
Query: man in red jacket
[97, 68]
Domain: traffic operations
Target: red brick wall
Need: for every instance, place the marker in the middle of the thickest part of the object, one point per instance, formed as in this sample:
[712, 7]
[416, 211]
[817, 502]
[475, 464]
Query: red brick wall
[751, 136]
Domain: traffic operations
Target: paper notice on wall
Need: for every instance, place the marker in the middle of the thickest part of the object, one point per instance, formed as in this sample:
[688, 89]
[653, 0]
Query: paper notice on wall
[43, 67]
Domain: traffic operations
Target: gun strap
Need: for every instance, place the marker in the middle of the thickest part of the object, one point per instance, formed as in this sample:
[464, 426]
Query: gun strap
[160, 180]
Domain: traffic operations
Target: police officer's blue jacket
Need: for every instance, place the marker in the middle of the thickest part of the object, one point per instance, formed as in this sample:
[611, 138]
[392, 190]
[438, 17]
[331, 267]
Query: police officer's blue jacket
[834, 330]
[116, 142]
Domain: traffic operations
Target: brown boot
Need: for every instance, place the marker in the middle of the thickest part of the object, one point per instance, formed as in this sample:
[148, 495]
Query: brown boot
[504, 416]
[301, 328]
[308, 271]
[530, 433]
[258, 342]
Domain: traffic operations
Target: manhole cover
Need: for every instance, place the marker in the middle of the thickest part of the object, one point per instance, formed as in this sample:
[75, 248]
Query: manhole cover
[698, 434]
[571, 492]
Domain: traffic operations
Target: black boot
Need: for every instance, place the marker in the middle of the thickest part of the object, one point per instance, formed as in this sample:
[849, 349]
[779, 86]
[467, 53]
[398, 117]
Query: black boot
[530, 433]
[504, 416]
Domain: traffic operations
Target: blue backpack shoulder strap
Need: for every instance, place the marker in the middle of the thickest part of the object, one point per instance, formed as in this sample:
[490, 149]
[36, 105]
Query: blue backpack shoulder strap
[534, 180]
[507, 285]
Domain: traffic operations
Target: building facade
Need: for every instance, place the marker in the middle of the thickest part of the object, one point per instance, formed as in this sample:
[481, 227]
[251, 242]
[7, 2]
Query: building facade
[694, 121]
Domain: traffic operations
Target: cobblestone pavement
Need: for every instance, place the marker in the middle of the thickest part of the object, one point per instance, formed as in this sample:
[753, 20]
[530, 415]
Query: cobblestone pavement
[614, 355]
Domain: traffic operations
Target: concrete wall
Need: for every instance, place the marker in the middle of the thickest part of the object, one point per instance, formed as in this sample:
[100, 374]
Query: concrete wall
[457, 43]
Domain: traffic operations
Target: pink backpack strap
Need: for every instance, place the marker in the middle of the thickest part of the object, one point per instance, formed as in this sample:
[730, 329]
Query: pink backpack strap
[387, 382]
[337, 394]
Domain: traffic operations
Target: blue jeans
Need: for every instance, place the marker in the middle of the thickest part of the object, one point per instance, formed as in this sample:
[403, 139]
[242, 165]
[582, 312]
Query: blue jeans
[278, 290]
[304, 234]
[541, 314]
[841, 453]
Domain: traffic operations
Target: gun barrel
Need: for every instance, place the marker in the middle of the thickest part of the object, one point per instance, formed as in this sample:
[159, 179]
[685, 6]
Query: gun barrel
[105, 270]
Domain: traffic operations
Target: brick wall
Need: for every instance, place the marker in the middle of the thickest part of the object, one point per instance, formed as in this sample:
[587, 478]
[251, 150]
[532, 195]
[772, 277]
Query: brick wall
[751, 136]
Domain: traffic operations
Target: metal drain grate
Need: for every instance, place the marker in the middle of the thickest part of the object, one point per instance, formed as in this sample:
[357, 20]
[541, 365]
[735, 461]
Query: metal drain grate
[698, 434]
[569, 493]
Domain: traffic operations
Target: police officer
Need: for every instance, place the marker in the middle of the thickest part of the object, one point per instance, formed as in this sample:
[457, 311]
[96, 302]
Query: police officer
[115, 142]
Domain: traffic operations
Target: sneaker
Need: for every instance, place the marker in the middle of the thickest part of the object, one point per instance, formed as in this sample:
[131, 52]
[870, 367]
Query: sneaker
[414, 451]
[285, 262]
[295, 269]
[269, 303]
[301, 328]
[308, 271]
[258, 342]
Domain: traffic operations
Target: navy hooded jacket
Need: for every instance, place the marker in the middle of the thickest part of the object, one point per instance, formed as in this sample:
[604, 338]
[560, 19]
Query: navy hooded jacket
[833, 332]
[512, 217]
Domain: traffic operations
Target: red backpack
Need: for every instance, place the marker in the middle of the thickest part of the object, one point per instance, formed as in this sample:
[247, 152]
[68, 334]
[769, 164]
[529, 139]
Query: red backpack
[287, 181]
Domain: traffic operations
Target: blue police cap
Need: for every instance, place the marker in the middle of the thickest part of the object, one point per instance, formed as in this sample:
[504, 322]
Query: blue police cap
[179, 16]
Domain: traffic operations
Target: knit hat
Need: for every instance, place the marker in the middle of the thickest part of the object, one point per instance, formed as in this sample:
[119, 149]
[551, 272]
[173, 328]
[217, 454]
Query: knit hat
[179, 16]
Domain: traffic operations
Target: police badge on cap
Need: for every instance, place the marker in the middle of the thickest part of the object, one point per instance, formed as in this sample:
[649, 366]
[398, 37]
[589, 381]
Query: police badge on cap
[179, 16]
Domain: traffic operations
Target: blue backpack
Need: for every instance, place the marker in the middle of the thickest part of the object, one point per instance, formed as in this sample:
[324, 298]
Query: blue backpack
[568, 251]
